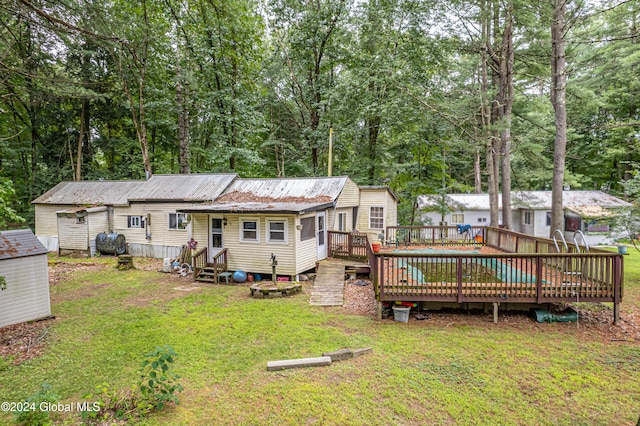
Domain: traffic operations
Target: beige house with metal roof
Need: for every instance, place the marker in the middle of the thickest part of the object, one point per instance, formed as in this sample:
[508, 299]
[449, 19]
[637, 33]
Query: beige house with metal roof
[251, 218]
[590, 212]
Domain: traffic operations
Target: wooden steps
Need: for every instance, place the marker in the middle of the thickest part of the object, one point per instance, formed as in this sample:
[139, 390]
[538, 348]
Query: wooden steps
[208, 274]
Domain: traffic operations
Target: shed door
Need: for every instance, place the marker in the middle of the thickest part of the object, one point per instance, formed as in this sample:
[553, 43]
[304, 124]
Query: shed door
[321, 236]
[215, 241]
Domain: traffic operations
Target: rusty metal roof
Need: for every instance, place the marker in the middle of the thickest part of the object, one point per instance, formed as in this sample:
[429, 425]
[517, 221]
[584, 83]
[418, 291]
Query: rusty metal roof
[19, 243]
[257, 207]
[90, 192]
[276, 195]
[177, 188]
[296, 190]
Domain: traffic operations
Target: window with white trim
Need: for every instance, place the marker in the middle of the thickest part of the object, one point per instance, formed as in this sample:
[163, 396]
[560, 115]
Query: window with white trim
[457, 218]
[527, 217]
[376, 217]
[177, 220]
[135, 221]
[277, 231]
[249, 230]
[342, 221]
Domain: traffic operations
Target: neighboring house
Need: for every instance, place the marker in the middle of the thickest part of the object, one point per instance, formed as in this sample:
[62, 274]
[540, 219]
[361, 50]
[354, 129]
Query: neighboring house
[591, 212]
[252, 218]
[25, 278]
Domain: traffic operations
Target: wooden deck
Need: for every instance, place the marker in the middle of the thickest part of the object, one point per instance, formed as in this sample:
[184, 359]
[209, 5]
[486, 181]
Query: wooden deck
[501, 266]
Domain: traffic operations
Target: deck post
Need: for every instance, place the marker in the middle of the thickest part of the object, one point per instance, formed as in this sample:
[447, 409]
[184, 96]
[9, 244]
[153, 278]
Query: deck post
[539, 278]
[617, 289]
[495, 312]
[459, 278]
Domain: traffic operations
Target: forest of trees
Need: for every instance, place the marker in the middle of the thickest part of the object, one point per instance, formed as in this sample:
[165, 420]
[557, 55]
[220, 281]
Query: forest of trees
[422, 95]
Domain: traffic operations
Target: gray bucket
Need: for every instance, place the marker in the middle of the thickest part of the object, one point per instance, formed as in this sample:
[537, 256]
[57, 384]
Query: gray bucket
[401, 313]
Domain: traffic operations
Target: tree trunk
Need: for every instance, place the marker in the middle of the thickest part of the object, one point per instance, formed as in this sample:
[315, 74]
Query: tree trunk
[506, 102]
[485, 116]
[558, 99]
[477, 175]
[182, 104]
[373, 132]
[84, 131]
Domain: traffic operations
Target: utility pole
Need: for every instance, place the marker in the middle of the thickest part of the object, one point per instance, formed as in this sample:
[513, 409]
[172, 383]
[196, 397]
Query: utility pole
[330, 167]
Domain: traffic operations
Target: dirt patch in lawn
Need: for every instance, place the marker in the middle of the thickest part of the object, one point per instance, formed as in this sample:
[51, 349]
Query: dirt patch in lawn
[60, 271]
[21, 342]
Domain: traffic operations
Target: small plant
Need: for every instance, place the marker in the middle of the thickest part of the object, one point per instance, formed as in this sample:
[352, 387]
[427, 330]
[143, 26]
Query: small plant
[3, 283]
[111, 403]
[30, 412]
[156, 385]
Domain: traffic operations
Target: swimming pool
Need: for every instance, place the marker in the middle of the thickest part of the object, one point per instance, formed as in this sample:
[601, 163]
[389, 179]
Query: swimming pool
[497, 269]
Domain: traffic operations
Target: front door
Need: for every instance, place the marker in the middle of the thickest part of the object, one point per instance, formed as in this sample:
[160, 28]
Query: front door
[215, 242]
[321, 236]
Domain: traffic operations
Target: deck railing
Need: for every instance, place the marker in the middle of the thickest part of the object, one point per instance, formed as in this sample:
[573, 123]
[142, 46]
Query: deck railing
[347, 245]
[528, 271]
[199, 260]
[432, 235]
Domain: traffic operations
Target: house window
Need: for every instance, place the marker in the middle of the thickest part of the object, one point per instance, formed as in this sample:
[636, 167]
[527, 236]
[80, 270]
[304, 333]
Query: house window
[376, 217]
[308, 228]
[342, 221]
[135, 221]
[572, 223]
[277, 231]
[527, 218]
[548, 218]
[457, 218]
[482, 220]
[177, 220]
[80, 219]
[249, 230]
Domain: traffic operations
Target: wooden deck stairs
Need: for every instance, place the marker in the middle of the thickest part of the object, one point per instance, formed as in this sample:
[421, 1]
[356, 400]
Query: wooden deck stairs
[212, 274]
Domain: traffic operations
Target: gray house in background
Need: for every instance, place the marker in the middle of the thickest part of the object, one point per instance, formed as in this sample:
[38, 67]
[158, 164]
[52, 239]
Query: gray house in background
[25, 278]
[591, 212]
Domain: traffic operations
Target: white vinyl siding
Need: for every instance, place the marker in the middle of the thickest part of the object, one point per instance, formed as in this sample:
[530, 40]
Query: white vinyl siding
[256, 257]
[72, 235]
[26, 297]
[156, 217]
[46, 219]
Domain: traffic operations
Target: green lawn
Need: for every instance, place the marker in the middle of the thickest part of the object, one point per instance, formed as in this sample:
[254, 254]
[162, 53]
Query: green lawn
[418, 373]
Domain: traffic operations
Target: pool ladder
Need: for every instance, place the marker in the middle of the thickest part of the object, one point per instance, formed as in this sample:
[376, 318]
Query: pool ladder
[576, 234]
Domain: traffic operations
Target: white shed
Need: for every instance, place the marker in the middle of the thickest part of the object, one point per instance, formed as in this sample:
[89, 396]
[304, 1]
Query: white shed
[24, 275]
